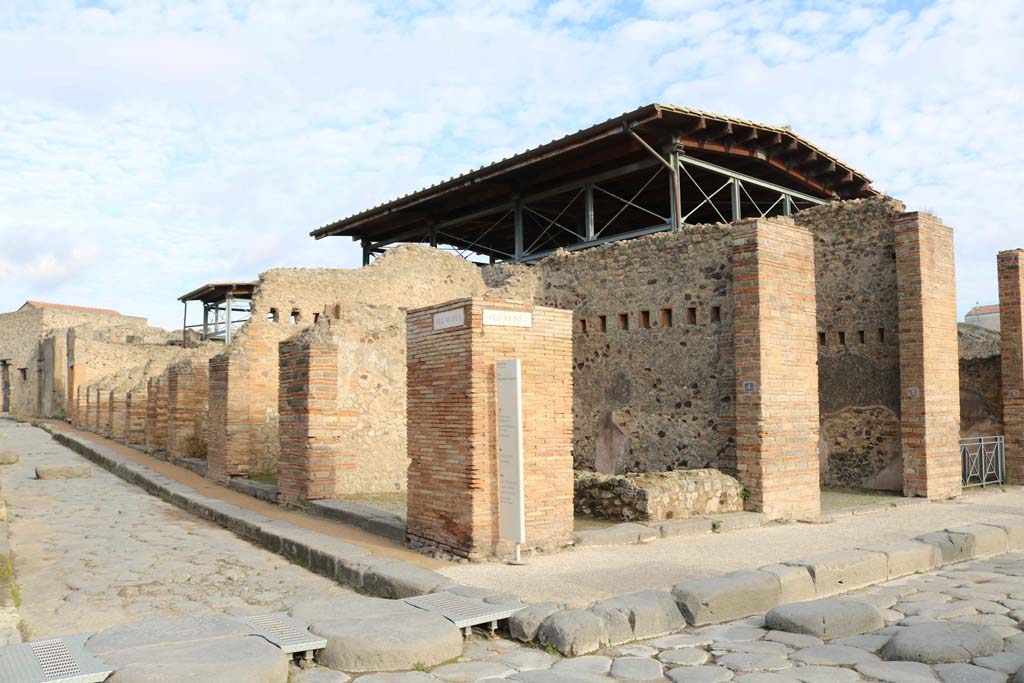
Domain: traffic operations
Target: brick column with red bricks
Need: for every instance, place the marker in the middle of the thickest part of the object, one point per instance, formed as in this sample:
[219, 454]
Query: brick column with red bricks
[777, 422]
[1011, 323]
[929, 357]
[452, 431]
[187, 390]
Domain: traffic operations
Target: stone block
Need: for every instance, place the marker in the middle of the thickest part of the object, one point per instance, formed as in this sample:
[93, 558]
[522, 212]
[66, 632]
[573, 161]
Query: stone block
[1014, 530]
[941, 642]
[573, 632]
[796, 583]
[370, 634]
[524, 624]
[617, 534]
[685, 527]
[724, 598]
[395, 579]
[826, 618]
[637, 669]
[844, 570]
[63, 471]
[656, 496]
[738, 520]
[952, 547]
[907, 557]
[8, 457]
[988, 540]
[648, 613]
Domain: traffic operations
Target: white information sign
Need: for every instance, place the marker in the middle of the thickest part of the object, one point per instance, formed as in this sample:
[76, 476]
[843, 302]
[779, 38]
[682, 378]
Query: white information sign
[496, 316]
[511, 504]
[452, 318]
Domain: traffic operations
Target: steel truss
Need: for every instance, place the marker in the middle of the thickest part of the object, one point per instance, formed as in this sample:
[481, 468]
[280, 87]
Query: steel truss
[654, 195]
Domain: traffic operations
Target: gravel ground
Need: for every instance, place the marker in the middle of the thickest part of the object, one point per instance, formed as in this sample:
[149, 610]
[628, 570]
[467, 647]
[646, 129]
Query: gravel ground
[579, 577]
[95, 552]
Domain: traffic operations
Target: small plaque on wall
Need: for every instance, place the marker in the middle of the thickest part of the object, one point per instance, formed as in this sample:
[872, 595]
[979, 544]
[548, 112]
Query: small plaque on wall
[452, 318]
[498, 317]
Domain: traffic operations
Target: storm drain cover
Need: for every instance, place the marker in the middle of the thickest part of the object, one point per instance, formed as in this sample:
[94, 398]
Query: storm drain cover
[289, 634]
[462, 611]
[60, 660]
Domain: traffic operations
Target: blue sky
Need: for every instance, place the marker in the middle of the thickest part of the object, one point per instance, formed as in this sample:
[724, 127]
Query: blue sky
[148, 147]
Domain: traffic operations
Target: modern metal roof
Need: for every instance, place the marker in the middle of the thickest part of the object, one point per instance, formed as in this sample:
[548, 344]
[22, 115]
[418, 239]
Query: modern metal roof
[773, 153]
[219, 291]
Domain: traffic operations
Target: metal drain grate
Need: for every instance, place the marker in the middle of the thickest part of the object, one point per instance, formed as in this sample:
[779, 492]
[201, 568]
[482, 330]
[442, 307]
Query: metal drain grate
[288, 633]
[464, 612]
[60, 660]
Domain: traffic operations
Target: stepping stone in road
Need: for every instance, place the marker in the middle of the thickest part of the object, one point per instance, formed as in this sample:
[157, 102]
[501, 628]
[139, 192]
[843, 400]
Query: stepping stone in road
[827, 618]
[941, 642]
[63, 471]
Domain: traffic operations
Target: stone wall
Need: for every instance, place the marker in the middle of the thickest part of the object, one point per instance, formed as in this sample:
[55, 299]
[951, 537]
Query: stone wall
[245, 433]
[1010, 266]
[981, 381]
[652, 349]
[656, 496]
[858, 341]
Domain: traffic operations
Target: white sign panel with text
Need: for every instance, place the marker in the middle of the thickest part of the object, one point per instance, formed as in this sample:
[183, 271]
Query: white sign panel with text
[511, 503]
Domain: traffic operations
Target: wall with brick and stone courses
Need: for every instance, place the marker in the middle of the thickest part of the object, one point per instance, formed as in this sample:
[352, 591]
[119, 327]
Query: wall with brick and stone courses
[156, 415]
[453, 479]
[187, 408]
[1010, 265]
[20, 333]
[777, 418]
[981, 381]
[654, 380]
[244, 427]
[858, 341]
[929, 357]
[656, 496]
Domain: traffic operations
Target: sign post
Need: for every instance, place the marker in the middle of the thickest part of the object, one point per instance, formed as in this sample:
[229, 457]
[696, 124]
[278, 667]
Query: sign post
[511, 504]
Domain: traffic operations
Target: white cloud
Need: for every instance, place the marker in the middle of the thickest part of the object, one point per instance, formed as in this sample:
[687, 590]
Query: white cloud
[146, 147]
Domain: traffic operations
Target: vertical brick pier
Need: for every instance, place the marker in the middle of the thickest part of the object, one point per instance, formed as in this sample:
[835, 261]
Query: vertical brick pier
[1011, 322]
[187, 388]
[776, 367]
[929, 357]
[452, 430]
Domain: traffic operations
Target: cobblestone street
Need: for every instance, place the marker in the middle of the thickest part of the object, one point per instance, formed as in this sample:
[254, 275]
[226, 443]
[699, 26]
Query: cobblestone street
[94, 552]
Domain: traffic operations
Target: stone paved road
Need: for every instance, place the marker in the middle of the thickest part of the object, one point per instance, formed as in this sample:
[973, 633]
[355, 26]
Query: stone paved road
[92, 553]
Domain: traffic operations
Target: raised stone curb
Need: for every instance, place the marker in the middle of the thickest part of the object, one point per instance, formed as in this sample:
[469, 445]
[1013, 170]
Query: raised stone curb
[345, 563]
[725, 598]
[844, 570]
[617, 534]
[366, 517]
[987, 540]
[908, 557]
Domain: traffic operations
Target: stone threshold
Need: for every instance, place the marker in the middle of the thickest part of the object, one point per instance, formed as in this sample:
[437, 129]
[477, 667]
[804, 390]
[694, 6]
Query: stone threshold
[346, 563]
[390, 525]
[628, 533]
[746, 593]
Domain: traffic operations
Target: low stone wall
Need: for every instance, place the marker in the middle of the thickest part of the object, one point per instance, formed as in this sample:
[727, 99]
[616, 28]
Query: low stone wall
[657, 496]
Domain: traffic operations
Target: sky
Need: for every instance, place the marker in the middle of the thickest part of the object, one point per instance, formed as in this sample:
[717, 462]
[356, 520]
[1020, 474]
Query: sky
[149, 147]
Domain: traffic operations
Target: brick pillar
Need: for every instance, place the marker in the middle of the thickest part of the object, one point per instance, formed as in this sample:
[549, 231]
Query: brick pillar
[79, 402]
[929, 357]
[229, 449]
[103, 411]
[775, 326]
[452, 431]
[1011, 324]
[118, 414]
[136, 408]
[308, 421]
[187, 390]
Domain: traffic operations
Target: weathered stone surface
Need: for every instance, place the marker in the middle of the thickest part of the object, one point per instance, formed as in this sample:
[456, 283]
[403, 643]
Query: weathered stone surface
[968, 673]
[752, 661]
[833, 655]
[869, 642]
[469, 672]
[207, 648]
[733, 596]
[988, 540]
[617, 534]
[680, 640]
[765, 677]
[826, 618]
[648, 613]
[734, 521]
[939, 642]
[8, 457]
[552, 676]
[573, 632]
[63, 471]
[953, 547]
[794, 640]
[524, 624]
[318, 675]
[1014, 530]
[898, 672]
[636, 669]
[370, 634]
[823, 674]
[401, 580]
[796, 583]
[907, 557]
[399, 677]
[685, 527]
[845, 570]
[684, 656]
[700, 674]
[736, 632]
[1004, 662]
[591, 664]
[656, 496]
